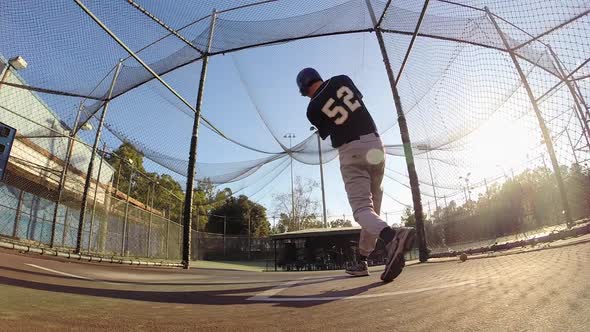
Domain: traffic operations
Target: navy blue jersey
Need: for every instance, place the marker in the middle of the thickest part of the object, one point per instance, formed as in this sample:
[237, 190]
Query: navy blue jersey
[337, 110]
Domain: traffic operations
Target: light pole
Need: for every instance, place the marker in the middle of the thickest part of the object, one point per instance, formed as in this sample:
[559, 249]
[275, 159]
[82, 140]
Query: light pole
[466, 189]
[321, 175]
[125, 219]
[290, 136]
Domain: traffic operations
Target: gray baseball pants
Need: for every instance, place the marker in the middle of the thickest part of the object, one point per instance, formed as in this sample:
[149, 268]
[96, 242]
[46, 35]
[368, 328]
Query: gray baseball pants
[362, 164]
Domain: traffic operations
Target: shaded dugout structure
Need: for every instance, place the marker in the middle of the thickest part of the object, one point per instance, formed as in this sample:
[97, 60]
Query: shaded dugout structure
[320, 249]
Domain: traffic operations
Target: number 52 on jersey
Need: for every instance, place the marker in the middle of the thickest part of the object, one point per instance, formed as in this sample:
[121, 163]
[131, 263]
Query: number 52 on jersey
[347, 97]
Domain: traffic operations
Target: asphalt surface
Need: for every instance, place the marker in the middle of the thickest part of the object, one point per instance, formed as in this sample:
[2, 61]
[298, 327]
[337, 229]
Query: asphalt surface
[544, 290]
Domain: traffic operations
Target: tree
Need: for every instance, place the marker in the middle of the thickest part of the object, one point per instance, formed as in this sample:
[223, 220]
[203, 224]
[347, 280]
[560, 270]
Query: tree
[237, 214]
[206, 199]
[164, 190]
[408, 218]
[124, 160]
[525, 202]
[169, 197]
[306, 210]
[340, 223]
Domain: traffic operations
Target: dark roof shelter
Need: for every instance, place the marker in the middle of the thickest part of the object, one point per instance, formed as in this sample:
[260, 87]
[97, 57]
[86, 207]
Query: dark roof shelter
[320, 249]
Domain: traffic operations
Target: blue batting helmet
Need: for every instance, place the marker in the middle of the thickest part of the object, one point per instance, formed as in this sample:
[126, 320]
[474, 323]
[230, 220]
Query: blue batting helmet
[306, 78]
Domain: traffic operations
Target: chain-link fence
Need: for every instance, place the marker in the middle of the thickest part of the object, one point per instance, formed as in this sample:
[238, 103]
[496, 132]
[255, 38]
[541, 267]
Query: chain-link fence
[213, 246]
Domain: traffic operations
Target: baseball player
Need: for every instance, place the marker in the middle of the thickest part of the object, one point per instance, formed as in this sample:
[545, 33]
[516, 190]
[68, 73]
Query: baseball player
[337, 110]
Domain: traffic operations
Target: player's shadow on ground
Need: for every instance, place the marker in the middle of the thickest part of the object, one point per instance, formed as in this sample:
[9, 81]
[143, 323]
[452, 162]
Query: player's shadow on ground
[204, 297]
[323, 297]
[140, 283]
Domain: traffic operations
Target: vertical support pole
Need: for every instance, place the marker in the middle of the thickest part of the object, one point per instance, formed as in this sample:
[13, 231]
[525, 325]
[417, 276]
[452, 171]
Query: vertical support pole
[290, 136]
[431, 177]
[19, 206]
[151, 212]
[180, 236]
[125, 219]
[405, 136]
[32, 218]
[64, 173]
[544, 130]
[104, 147]
[104, 226]
[249, 234]
[65, 231]
[188, 199]
[168, 229]
[198, 236]
[224, 231]
[322, 180]
[275, 247]
[91, 162]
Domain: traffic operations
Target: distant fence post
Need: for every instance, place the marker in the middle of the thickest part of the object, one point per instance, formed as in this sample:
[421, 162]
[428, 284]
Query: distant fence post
[125, 219]
[63, 234]
[19, 206]
[104, 146]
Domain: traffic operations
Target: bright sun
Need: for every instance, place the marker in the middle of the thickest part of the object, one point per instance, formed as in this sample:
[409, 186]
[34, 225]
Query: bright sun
[499, 145]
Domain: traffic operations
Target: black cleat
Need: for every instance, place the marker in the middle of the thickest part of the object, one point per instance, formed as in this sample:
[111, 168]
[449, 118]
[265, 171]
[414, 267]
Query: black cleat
[396, 249]
[361, 269]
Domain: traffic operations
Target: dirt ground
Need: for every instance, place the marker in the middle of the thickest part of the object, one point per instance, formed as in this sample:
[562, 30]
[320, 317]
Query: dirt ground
[541, 290]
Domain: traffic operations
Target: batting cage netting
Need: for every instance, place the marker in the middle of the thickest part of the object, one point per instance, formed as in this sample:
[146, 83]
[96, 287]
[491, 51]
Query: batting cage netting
[111, 100]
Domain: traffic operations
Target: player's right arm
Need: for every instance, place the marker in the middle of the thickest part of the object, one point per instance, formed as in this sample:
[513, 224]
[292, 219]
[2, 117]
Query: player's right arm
[315, 118]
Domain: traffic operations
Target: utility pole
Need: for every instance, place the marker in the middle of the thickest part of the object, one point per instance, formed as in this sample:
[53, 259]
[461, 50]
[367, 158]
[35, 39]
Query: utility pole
[290, 136]
[321, 176]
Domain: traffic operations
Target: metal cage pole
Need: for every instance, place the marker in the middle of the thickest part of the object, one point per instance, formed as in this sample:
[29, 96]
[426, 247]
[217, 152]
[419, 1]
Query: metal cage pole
[64, 174]
[19, 206]
[126, 217]
[84, 204]
[542, 125]
[168, 229]
[151, 212]
[197, 234]
[405, 136]
[249, 233]
[224, 231]
[188, 199]
[104, 147]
